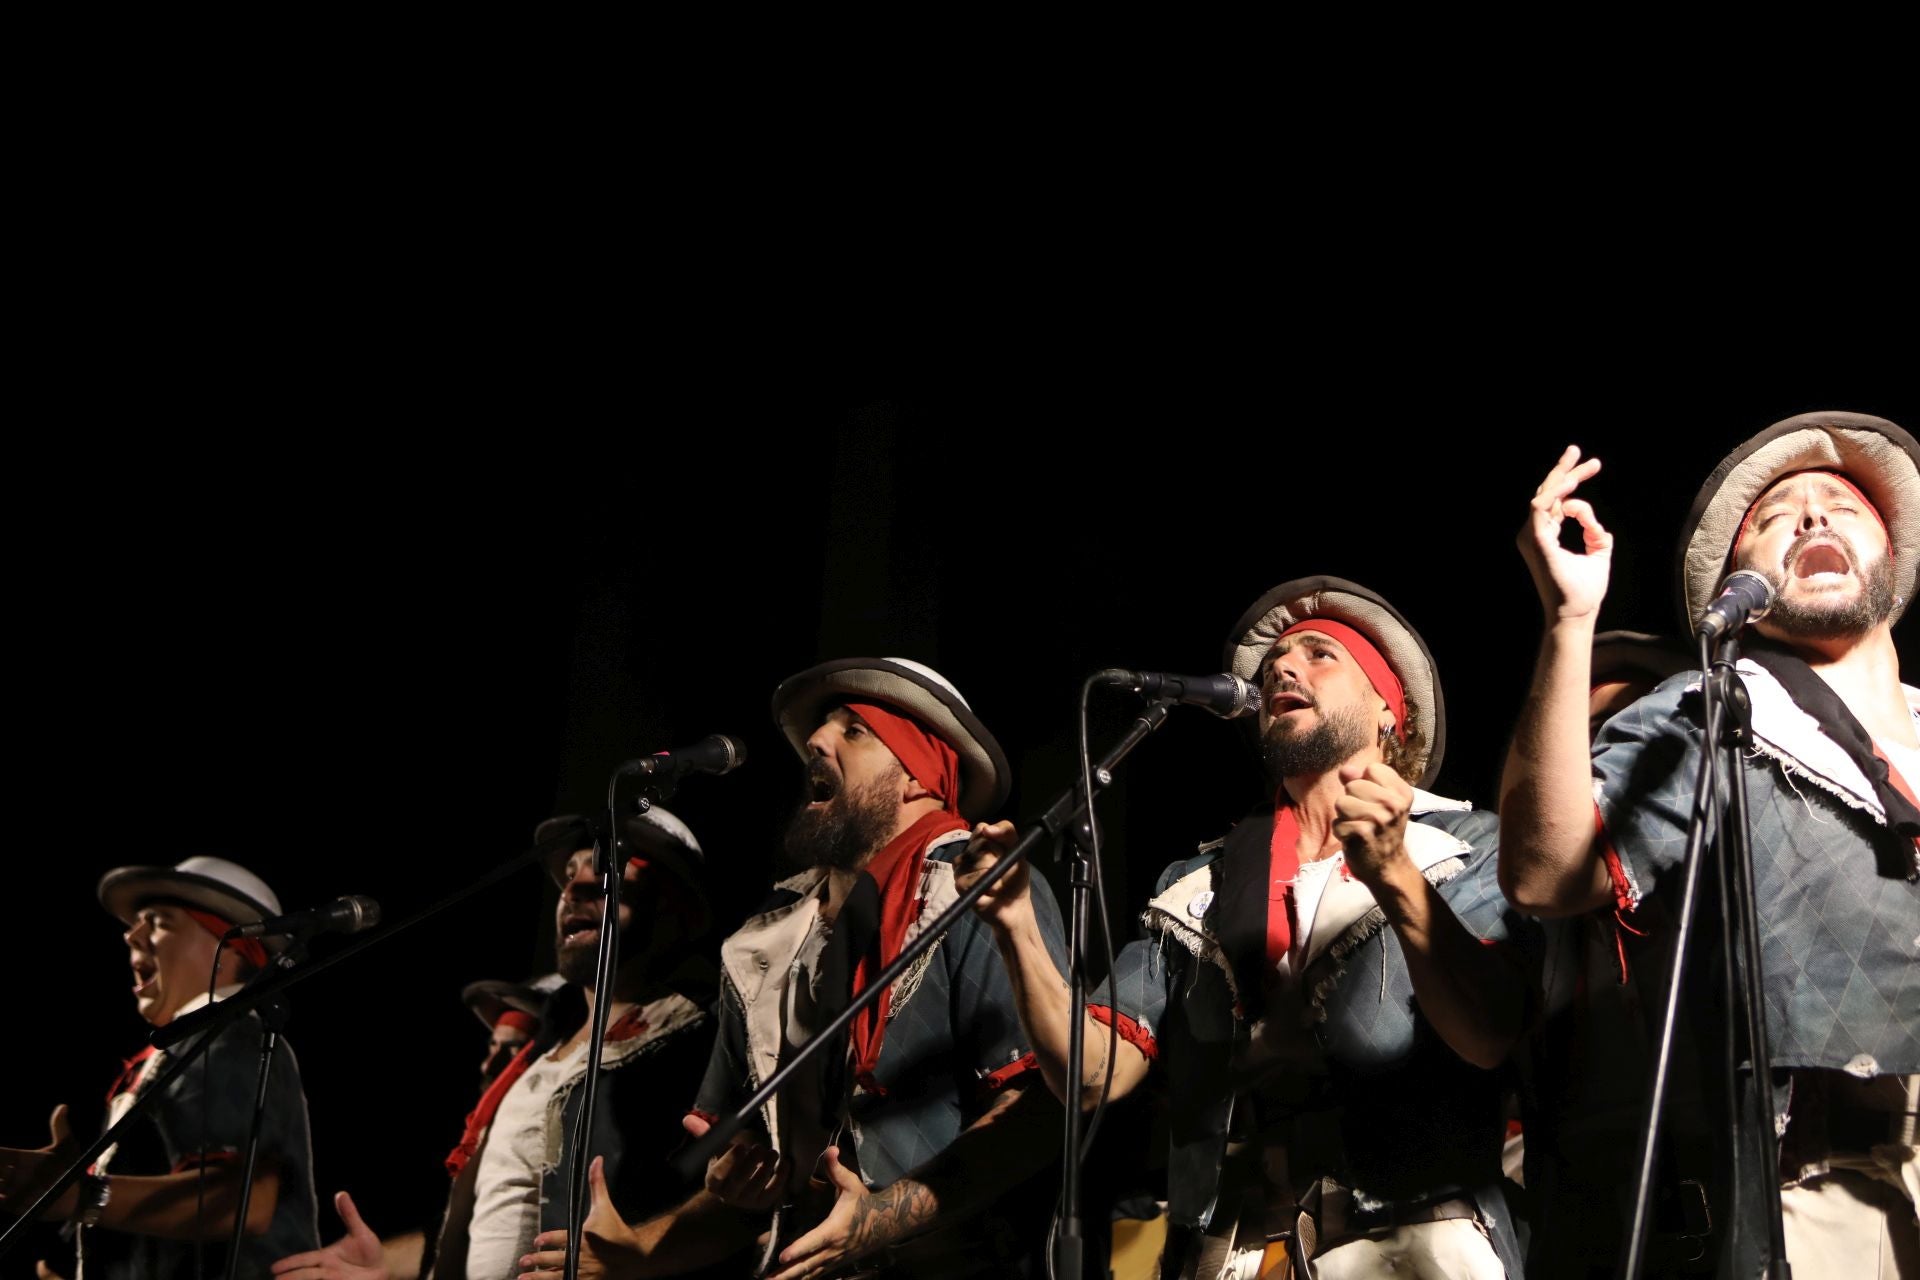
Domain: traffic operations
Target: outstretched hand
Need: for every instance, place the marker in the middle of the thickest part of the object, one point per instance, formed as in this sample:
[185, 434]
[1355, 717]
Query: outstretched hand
[747, 1175]
[606, 1242]
[25, 1172]
[861, 1221]
[354, 1256]
[1571, 583]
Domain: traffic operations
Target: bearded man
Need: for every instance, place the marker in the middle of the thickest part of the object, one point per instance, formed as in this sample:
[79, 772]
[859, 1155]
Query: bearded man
[1333, 989]
[930, 1113]
[1827, 507]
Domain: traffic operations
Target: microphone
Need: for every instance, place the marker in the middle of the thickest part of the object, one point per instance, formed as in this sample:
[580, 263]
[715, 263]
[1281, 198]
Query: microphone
[1226, 696]
[343, 915]
[717, 753]
[1744, 597]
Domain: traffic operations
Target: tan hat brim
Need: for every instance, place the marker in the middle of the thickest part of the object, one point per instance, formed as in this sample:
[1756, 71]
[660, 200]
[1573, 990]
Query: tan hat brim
[123, 889]
[802, 701]
[1370, 614]
[1874, 453]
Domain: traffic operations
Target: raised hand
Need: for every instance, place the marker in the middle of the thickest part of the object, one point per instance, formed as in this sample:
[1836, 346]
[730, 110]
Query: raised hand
[1372, 825]
[1009, 902]
[1571, 583]
[354, 1256]
[746, 1175]
[860, 1222]
[24, 1172]
[607, 1246]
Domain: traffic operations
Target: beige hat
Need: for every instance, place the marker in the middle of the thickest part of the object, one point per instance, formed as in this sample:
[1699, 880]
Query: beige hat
[802, 701]
[1875, 454]
[1366, 612]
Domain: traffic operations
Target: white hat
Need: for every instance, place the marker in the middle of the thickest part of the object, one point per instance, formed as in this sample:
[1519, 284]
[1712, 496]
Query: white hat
[802, 701]
[225, 889]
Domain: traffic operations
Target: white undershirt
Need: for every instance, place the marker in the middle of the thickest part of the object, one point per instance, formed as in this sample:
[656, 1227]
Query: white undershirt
[1905, 759]
[506, 1189]
[1309, 886]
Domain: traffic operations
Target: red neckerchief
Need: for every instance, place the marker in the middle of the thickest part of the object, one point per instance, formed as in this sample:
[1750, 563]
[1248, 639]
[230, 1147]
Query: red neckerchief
[1283, 868]
[627, 1026]
[896, 870]
[932, 762]
[130, 1073]
[482, 1115]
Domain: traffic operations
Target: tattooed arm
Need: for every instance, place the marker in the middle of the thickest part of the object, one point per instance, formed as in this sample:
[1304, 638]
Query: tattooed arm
[1018, 1134]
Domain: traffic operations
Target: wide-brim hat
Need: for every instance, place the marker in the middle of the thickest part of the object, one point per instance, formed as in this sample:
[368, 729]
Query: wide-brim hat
[214, 885]
[1366, 612]
[1879, 457]
[802, 702]
[490, 997]
[659, 833]
[1618, 655]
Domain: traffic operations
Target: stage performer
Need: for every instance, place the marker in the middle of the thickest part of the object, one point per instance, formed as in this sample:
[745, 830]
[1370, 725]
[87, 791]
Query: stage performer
[930, 1114]
[512, 1168]
[1333, 989]
[510, 1011]
[1827, 507]
[138, 1206]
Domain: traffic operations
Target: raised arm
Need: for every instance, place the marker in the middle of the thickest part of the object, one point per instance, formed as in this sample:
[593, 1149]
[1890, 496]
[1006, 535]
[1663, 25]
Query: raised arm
[1474, 995]
[1548, 865]
[1040, 994]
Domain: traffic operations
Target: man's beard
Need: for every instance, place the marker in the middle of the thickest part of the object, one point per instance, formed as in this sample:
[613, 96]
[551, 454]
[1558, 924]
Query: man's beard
[843, 832]
[578, 964]
[1321, 749]
[1823, 619]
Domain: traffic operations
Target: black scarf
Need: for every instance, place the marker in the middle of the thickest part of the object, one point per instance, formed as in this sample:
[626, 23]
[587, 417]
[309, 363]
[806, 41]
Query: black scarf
[1817, 698]
[1239, 911]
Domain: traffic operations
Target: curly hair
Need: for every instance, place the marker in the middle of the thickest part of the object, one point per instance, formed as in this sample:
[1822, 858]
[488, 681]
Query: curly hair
[1407, 758]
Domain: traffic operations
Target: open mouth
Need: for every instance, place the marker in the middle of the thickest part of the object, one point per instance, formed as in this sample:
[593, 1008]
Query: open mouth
[1818, 558]
[1285, 700]
[145, 973]
[822, 785]
[579, 929]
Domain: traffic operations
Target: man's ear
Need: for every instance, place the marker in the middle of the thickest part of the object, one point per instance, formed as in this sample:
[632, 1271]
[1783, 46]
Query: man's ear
[911, 790]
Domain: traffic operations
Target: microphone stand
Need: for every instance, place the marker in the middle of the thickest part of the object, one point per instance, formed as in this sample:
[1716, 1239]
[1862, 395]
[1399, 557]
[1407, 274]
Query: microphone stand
[1726, 710]
[1055, 823]
[611, 869]
[273, 1020]
[214, 1017]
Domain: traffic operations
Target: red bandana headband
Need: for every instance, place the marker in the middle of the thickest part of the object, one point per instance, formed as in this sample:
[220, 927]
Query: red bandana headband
[930, 761]
[1746, 521]
[518, 1021]
[249, 949]
[1372, 663]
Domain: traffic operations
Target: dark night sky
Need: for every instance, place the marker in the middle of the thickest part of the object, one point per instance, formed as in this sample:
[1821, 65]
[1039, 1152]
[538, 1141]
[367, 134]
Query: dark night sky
[360, 617]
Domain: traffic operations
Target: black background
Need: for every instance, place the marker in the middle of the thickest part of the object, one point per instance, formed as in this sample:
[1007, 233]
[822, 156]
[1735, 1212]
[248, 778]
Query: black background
[358, 604]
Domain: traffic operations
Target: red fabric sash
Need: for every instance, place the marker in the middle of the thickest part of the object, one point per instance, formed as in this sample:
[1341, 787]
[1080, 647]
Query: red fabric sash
[625, 1027]
[896, 869]
[129, 1073]
[482, 1115]
[1283, 863]
[1283, 866]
